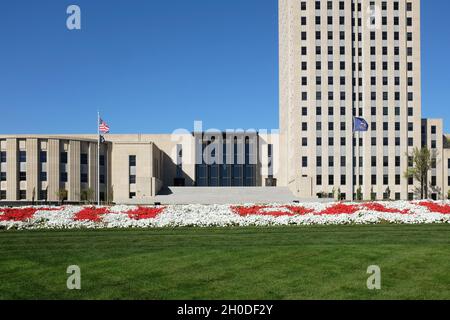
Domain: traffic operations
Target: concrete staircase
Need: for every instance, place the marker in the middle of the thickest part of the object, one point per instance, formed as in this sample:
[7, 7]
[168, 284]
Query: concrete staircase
[225, 195]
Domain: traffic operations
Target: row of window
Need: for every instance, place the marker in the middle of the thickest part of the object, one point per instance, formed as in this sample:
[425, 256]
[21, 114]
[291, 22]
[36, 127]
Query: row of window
[374, 180]
[373, 142]
[373, 37]
[343, 111]
[373, 96]
[358, 22]
[343, 161]
[343, 126]
[22, 195]
[342, 81]
[63, 177]
[43, 159]
[373, 65]
[358, 7]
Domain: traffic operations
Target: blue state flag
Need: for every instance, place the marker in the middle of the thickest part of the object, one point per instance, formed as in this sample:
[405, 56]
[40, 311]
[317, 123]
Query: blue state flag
[360, 125]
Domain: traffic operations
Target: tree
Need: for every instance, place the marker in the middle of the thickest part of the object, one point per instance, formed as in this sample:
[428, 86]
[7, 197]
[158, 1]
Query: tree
[359, 195]
[87, 195]
[111, 194]
[388, 193]
[61, 194]
[420, 163]
[373, 195]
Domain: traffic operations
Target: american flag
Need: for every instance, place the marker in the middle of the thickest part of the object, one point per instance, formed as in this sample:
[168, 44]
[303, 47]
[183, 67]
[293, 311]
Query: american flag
[103, 127]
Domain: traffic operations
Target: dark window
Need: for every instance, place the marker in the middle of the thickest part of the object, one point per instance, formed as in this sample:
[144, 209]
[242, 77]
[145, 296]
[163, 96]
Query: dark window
[2, 194]
[319, 161]
[132, 161]
[304, 162]
[132, 179]
[22, 156]
[64, 157]
[2, 176]
[319, 180]
[84, 158]
[43, 156]
[3, 156]
[43, 195]
[22, 194]
[63, 176]
[102, 160]
[433, 181]
[22, 176]
[132, 195]
[304, 142]
[409, 6]
[84, 178]
[43, 176]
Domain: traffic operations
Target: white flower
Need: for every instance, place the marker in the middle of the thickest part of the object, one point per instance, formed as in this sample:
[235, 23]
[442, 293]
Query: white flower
[223, 216]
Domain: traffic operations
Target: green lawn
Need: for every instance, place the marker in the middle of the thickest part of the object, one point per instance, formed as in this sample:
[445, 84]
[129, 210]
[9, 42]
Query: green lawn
[228, 263]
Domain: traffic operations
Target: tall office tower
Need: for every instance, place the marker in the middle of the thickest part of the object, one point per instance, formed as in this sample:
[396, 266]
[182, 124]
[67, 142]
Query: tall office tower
[340, 59]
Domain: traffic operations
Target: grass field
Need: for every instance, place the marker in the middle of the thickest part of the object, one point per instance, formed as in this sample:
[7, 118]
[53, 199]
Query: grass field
[228, 263]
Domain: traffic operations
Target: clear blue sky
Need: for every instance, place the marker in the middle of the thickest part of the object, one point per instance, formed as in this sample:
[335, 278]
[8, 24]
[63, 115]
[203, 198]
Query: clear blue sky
[154, 66]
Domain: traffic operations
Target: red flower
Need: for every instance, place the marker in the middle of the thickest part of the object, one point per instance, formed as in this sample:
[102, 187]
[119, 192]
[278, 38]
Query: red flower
[434, 207]
[246, 211]
[92, 214]
[299, 210]
[270, 211]
[339, 208]
[145, 213]
[17, 214]
[380, 208]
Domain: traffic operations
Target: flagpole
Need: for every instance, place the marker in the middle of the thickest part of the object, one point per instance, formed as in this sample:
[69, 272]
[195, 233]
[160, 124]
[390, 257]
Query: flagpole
[358, 172]
[353, 159]
[98, 158]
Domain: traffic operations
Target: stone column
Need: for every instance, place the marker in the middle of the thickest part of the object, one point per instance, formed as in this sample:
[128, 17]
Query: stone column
[93, 167]
[32, 169]
[53, 171]
[11, 173]
[74, 171]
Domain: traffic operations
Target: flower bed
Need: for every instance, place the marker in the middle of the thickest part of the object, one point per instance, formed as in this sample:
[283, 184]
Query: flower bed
[121, 216]
[436, 207]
